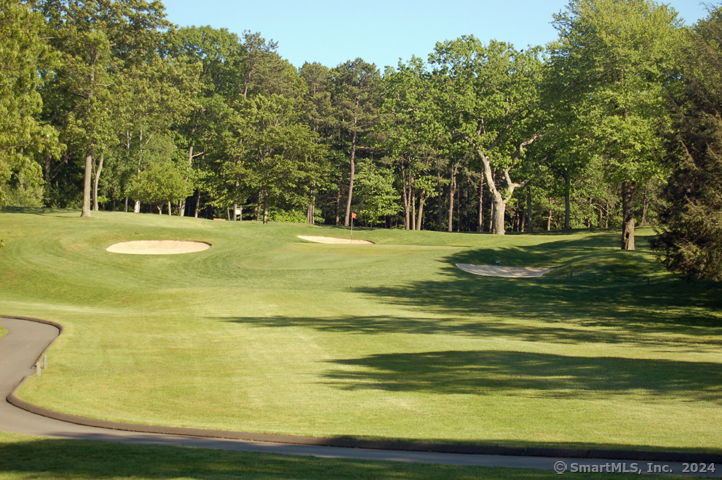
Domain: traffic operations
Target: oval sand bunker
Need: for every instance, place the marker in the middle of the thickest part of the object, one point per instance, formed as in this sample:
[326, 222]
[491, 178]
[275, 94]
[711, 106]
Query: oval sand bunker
[499, 271]
[341, 241]
[158, 247]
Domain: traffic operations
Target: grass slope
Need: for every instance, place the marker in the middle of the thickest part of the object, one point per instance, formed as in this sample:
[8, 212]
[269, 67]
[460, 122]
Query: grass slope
[266, 333]
[26, 458]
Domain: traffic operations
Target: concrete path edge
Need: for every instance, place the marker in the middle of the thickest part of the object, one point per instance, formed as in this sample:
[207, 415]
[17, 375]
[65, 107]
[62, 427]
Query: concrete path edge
[638, 455]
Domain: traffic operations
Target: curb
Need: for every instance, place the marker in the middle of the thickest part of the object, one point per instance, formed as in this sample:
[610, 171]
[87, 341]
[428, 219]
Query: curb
[636, 455]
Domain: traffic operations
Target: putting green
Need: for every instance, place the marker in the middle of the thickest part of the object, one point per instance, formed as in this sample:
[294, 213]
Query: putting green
[266, 333]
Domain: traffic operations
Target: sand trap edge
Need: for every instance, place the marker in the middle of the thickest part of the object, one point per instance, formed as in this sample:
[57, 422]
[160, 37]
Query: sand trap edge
[334, 240]
[158, 247]
[503, 271]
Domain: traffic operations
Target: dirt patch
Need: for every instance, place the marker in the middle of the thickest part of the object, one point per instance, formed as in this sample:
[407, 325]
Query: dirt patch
[158, 247]
[503, 271]
[341, 241]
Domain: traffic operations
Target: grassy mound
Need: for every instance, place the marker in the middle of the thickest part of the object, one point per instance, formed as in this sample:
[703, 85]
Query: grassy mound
[267, 333]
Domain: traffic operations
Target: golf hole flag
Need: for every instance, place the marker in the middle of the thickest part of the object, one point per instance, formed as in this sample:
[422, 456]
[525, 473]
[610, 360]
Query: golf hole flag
[353, 215]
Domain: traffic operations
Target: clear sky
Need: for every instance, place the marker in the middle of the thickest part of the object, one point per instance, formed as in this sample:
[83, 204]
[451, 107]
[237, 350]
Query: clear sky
[381, 31]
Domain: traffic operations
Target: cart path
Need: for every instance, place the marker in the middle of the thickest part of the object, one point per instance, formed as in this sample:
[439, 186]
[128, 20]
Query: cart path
[28, 339]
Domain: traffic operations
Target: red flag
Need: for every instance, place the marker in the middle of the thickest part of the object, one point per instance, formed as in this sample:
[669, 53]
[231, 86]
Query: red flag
[353, 215]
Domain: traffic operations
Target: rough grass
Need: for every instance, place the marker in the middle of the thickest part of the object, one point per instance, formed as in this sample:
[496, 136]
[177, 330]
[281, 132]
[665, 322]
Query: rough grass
[266, 333]
[3, 332]
[30, 458]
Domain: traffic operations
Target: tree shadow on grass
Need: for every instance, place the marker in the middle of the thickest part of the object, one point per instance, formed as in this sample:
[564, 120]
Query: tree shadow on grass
[80, 459]
[518, 373]
[609, 293]
[472, 327]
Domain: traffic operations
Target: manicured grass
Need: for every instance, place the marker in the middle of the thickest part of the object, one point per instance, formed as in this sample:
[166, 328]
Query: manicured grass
[24, 457]
[266, 333]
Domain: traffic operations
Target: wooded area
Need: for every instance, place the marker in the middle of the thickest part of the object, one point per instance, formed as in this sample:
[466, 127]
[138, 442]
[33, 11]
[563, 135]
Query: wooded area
[107, 105]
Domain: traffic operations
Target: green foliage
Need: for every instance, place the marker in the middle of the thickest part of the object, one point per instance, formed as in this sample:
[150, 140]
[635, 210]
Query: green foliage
[159, 184]
[160, 180]
[287, 216]
[269, 152]
[376, 194]
[690, 235]
[23, 137]
[24, 192]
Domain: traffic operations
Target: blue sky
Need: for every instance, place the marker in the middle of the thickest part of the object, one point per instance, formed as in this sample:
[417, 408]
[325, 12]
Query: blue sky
[381, 31]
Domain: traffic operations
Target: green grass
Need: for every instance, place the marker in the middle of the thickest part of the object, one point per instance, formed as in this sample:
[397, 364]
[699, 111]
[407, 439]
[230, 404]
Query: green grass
[23, 457]
[3, 332]
[266, 333]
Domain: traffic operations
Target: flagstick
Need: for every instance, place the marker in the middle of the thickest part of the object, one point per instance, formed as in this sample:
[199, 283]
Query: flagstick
[352, 228]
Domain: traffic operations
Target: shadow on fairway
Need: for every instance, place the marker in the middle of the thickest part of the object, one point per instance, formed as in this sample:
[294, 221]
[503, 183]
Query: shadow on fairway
[73, 459]
[516, 373]
[549, 332]
[609, 290]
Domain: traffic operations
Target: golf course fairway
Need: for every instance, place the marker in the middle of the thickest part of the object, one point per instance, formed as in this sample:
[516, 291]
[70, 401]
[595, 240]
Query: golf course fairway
[264, 332]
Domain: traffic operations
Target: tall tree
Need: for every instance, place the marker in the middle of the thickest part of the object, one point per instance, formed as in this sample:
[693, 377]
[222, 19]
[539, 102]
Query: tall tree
[613, 60]
[690, 234]
[22, 55]
[96, 41]
[491, 95]
[412, 134]
[270, 153]
[355, 95]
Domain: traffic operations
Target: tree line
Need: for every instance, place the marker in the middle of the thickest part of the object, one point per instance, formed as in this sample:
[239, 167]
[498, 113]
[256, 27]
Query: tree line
[104, 104]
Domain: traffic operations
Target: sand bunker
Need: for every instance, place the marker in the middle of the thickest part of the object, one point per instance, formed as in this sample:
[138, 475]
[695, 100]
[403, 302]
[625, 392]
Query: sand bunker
[158, 247]
[344, 241]
[499, 271]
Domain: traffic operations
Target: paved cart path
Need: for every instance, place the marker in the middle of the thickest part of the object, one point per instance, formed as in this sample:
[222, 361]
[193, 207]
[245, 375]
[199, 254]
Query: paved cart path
[27, 340]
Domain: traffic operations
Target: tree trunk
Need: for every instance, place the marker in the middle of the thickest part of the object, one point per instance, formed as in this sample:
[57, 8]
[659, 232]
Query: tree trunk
[265, 210]
[182, 202]
[438, 193]
[258, 207]
[422, 200]
[480, 226]
[160, 209]
[549, 220]
[567, 206]
[499, 210]
[645, 206]
[86, 186]
[452, 192]
[126, 204]
[95, 183]
[413, 210]
[136, 207]
[406, 195]
[235, 208]
[529, 212]
[491, 217]
[338, 205]
[311, 212]
[198, 203]
[628, 191]
[350, 181]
